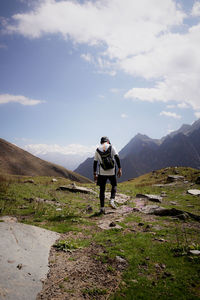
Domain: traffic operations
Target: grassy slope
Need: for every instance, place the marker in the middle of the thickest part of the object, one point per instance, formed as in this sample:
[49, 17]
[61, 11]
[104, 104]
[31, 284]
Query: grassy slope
[154, 269]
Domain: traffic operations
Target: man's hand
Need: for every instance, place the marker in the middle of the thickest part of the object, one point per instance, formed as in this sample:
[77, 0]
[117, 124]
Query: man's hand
[95, 177]
[119, 173]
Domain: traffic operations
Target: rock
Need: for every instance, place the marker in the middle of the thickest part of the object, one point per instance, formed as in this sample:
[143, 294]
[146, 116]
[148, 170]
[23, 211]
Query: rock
[29, 181]
[197, 180]
[154, 198]
[194, 192]
[173, 202]
[174, 178]
[54, 180]
[149, 209]
[58, 209]
[173, 212]
[183, 216]
[112, 224]
[194, 252]
[163, 194]
[105, 225]
[76, 189]
[120, 260]
[140, 224]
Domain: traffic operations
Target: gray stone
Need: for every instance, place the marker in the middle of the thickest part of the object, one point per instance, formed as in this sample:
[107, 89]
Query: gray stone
[153, 198]
[194, 192]
[197, 180]
[121, 260]
[149, 209]
[194, 252]
[174, 178]
[76, 189]
[29, 181]
[27, 247]
[54, 180]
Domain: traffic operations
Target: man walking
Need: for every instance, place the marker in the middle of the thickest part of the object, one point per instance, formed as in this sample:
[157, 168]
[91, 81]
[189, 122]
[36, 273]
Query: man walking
[106, 157]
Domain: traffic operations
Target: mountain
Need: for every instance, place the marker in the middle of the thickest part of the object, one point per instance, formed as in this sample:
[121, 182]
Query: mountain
[14, 160]
[143, 154]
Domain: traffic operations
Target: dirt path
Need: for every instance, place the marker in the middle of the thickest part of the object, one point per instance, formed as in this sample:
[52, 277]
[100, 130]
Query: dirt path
[81, 274]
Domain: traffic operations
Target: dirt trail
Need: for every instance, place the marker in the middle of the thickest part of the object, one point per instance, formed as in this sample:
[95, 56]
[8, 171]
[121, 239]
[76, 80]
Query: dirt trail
[81, 274]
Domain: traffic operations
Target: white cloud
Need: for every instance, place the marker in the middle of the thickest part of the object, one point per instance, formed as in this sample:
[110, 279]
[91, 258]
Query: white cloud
[7, 98]
[124, 116]
[170, 114]
[143, 38]
[183, 105]
[171, 106]
[197, 114]
[75, 149]
[196, 9]
[87, 57]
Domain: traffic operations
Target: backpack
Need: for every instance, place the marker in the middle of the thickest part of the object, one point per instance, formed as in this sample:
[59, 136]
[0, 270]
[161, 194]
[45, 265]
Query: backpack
[107, 161]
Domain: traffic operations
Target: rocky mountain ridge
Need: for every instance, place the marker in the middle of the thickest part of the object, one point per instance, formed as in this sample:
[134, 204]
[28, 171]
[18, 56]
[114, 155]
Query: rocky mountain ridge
[143, 154]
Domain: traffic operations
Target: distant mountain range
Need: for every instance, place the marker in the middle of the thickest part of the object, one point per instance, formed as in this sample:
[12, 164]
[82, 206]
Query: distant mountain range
[143, 154]
[14, 160]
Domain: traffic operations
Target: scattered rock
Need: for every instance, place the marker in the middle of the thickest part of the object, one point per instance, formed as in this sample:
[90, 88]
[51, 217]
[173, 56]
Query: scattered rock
[29, 181]
[154, 198]
[54, 180]
[174, 178]
[41, 200]
[197, 180]
[105, 225]
[120, 260]
[112, 224]
[194, 252]
[194, 192]
[163, 194]
[140, 224]
[76, 189]
[160, 240]
[149, 209]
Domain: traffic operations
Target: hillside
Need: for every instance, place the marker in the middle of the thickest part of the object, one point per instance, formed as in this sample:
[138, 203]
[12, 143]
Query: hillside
[14, 160]
[143, 154]
[141, 250]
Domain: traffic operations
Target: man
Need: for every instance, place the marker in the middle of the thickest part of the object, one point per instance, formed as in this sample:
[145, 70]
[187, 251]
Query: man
[105, 157]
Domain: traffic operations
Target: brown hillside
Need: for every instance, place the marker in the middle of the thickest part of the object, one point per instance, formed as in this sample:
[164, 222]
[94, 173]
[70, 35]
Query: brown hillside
[14, 160]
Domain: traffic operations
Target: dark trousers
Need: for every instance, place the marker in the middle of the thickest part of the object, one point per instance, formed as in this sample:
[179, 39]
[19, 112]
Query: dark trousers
[102, 179]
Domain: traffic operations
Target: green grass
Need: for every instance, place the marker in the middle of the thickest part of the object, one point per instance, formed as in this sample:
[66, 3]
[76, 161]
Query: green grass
[155, 269]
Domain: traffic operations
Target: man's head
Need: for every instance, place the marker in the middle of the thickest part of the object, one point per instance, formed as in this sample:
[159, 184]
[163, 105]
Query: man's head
[105, 139]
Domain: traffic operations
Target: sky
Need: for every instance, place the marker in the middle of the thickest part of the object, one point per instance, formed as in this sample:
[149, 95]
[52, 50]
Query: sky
[73, 71]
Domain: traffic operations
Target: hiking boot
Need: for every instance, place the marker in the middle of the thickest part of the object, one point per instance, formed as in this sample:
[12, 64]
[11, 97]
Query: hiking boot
[102, 210]
[112, 204]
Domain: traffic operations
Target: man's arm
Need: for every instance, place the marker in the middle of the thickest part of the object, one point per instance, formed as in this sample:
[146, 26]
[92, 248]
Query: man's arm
[95, 163]
[119, 173]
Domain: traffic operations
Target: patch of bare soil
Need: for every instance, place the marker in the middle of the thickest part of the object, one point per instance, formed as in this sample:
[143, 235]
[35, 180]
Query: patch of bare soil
[80, 275]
